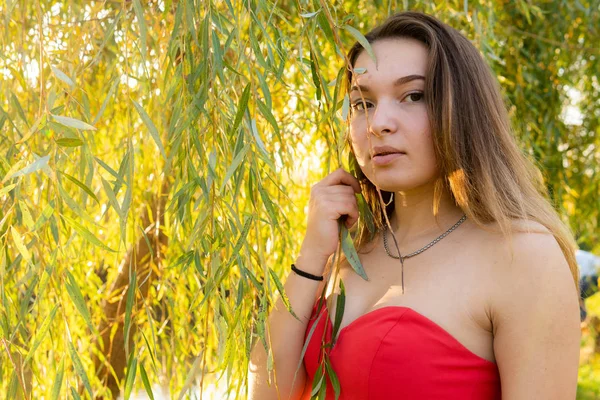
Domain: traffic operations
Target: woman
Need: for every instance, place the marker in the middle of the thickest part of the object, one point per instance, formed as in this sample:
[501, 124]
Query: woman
[483, 303]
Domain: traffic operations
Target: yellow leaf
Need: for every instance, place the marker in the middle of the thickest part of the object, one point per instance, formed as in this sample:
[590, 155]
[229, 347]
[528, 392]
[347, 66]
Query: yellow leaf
[20, 245]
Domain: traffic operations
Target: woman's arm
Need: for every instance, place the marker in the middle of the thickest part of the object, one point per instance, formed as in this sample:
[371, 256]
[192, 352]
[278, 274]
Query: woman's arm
[286, 337]
[535, 315]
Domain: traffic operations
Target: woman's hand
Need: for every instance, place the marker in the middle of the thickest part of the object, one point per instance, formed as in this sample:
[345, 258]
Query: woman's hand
[331, 198]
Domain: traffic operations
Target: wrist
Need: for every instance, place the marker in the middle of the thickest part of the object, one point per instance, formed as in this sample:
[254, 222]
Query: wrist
[312, 264]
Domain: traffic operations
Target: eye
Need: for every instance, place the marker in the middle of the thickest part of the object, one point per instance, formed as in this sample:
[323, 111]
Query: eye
[414, 97]
[360, 105]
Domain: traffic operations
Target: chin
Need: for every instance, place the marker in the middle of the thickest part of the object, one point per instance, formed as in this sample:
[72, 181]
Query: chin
[396, 186]
[402, 185]
[394, 178]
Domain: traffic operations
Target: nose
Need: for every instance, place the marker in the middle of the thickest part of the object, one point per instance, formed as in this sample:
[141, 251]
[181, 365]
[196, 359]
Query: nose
[383, 120]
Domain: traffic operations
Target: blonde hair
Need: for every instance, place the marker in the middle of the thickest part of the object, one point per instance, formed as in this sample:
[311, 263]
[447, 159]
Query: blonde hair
[480, 163]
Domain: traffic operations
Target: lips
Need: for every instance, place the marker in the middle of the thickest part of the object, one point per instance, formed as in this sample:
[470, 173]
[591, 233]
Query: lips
[380, 151]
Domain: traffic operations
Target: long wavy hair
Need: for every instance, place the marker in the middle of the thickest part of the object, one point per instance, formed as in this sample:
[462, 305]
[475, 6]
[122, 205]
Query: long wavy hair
[480, 163]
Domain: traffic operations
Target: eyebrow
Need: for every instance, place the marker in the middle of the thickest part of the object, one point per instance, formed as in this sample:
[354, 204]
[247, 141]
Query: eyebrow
[398, 82]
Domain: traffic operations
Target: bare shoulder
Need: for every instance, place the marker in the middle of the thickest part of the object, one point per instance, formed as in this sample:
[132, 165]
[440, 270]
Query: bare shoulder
[534, 313]
[529, 249]
[528, 274]
[529, 254]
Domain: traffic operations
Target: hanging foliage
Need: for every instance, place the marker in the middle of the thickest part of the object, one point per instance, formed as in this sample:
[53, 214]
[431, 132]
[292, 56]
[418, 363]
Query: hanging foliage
[157, 156]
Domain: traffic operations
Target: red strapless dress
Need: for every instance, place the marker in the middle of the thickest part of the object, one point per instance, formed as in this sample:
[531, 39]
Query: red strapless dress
[396, 353]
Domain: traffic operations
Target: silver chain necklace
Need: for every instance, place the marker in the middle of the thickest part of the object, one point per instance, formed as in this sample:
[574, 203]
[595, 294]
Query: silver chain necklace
[443, 235]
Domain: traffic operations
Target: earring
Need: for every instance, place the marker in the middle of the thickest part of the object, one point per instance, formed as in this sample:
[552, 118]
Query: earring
[390, 201]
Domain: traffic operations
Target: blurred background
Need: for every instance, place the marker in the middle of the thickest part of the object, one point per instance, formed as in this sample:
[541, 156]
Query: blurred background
[156, 159]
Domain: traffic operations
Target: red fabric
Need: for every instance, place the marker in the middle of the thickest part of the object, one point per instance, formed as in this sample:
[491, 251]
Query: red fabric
[396, 353]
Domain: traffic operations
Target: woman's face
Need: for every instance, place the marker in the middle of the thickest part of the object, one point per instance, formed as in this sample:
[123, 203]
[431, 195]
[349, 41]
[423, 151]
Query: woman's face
[397, 116]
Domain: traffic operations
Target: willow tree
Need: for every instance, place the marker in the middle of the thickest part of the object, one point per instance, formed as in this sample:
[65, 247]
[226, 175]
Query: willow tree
[157, 158]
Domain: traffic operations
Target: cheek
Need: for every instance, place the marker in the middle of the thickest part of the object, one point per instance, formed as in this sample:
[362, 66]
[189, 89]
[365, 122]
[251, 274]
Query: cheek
[359, 141]
[430, 158]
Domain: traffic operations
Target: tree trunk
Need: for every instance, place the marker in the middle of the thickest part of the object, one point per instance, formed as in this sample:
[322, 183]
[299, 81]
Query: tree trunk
[139, 259]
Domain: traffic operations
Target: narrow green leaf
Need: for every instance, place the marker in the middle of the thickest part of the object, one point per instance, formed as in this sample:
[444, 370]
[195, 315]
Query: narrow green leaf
[26, 216]
[86, 105]
[189, 379]
[46, 275]
[62, 76]
[190, 12]
[339, 310]
[128, 310]
[110, 170]
[146, 382]
[33, 129]
[14, 168]
[130, 377]
[73, 123]
[150, 351]
[308, 340]
[81, 185]
[151, 128]
[17, 105]
[335, 382]
[27, 297]
[128, 191]
[345, 107]
[108, 34]
[79, 368]
[112, 199]
[13, 386]
[74, 393]
[310, 14]
[174, 41]
[324, 24]
[111, 92]
[256, 135]
[75, 294]
[265, 89]
[58, 379]
[315, 75]
[318, 380]
[87, 235]
[268, 115]
[69, 142]
[362, 40]
[6, 189]
[241, 108]
[234, 165]
[281, 291]
[45, 216]
[139, 13]
[33, 167]
[243, 235]
[41, 333]
[258, 54]
[217, 55]
[268, 204]
[322, 392]
[350, 252]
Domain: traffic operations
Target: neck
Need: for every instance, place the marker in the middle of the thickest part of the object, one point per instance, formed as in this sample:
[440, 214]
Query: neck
[414, 215]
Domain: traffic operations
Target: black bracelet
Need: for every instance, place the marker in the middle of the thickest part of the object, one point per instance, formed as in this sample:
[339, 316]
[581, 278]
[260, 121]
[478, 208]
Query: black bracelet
[306, 274]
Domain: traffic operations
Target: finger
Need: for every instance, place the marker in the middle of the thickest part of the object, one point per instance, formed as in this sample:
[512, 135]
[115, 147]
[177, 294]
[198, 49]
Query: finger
[341, 177]
[343, 198]
[341, 208]
[339, 190]
[350, 223]
[352, 217]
